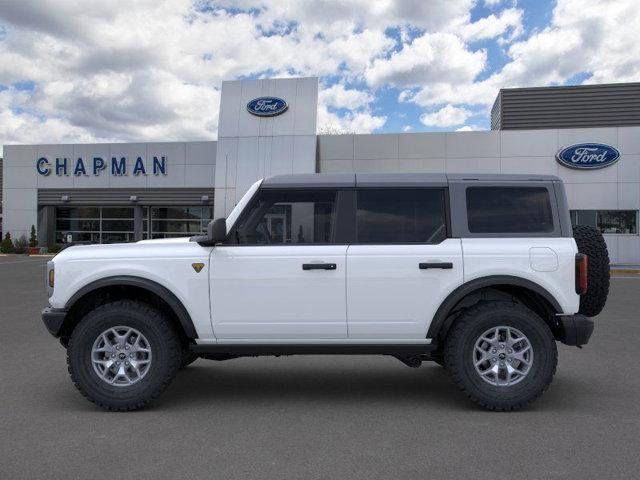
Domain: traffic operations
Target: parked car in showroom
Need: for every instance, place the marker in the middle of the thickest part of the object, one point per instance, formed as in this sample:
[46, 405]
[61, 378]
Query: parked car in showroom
[480, 273]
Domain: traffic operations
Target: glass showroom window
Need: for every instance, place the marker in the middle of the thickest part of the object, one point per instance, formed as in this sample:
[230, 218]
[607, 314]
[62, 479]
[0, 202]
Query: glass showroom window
[608, 221]
[169, 222]
[94, 224]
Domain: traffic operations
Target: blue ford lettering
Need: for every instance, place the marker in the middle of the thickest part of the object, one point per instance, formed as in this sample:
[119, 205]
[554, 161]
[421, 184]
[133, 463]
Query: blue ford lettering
[267, 106]
[117, 166]
[588, 156]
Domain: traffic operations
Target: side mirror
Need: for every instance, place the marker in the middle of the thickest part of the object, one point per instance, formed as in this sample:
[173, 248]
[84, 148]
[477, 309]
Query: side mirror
[217, 230]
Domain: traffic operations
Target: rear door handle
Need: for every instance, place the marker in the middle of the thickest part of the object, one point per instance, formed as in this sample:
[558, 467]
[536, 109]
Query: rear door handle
[319, 266]
[442, 265]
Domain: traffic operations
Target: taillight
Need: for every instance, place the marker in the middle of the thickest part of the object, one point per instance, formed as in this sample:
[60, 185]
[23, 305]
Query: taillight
[582, 266]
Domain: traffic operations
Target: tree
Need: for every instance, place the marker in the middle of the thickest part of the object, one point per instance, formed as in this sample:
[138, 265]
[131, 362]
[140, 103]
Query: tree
[33, 239]
[7, 244]
[20, 245]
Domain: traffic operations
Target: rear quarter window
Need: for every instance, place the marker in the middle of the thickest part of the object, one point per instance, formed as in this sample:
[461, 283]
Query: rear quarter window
[509, 210]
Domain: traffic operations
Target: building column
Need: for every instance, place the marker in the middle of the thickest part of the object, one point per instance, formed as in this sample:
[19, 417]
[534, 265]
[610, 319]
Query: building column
[46, 229]
[138, 214]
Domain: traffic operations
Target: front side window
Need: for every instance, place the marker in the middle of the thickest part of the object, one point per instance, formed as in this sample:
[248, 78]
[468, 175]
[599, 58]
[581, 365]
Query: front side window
[389, 215]
[509, 210]
[278, 217]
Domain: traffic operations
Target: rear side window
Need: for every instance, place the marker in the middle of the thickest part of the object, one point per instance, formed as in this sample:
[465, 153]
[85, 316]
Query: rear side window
[509, 210]
[388, 215]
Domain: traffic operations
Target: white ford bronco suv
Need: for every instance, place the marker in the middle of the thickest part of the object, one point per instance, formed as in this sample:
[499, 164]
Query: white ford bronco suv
[479, 273]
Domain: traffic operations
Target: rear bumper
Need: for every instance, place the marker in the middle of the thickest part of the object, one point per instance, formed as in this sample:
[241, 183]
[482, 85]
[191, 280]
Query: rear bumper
[575, 330]
[53, 319]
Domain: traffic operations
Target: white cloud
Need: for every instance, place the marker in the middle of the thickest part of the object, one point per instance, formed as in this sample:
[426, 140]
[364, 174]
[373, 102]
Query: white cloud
[152, 70]
[432, 57]
[584, 36]
[447, 116]
[338, 96]
[469, 128]
[509, 20]
[407, 128]
[358, 118]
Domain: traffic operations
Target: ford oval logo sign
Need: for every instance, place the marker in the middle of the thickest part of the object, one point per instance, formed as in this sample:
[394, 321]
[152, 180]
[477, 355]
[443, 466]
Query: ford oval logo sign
[267, 106]
[588, 156]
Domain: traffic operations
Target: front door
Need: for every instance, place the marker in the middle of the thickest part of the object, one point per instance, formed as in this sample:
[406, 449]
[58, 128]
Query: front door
[280, 275]
[402, 265]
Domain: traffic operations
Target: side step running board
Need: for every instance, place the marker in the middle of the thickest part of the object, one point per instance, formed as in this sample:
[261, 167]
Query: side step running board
[254, 350]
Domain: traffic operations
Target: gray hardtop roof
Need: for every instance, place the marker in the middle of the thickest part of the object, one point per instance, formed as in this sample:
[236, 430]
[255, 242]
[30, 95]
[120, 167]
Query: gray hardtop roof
[345, 180]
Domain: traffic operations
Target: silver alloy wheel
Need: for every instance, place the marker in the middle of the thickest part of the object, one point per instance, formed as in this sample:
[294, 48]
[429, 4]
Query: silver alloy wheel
[121, 356]
[503, 356]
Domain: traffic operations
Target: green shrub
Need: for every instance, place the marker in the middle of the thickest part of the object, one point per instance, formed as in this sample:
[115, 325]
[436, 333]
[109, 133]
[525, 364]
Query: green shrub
[7, 244]
[55, 248]
[21, 244]
[33, 239]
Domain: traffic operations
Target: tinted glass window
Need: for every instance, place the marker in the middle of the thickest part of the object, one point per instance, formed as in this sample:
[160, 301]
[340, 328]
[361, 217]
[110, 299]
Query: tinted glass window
[288, 217]
[401, 216]
[509, 210]
[608, 221]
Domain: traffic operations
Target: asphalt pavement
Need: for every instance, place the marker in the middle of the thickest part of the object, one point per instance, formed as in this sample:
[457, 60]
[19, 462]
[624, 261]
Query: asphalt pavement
[341, 417]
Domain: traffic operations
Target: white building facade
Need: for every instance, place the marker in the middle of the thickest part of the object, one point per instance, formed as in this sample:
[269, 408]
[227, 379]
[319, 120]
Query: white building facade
[91, 193]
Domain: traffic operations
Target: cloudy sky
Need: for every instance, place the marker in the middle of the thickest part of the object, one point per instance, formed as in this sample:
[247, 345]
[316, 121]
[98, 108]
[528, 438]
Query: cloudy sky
[83, 70]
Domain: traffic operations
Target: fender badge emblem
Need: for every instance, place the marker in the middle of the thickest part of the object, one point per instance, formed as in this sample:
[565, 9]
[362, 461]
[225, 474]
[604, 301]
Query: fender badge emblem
[197, 267]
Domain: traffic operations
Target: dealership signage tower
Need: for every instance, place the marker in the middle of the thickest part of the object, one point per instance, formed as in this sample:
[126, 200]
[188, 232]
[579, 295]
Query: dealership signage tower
[266, 127]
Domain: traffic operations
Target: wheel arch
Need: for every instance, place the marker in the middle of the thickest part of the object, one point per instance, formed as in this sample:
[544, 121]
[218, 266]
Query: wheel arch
[530, 293]
[128, 286]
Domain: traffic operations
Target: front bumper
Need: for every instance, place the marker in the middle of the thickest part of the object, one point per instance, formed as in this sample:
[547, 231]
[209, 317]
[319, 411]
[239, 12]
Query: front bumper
[53, 319]
[575, 330]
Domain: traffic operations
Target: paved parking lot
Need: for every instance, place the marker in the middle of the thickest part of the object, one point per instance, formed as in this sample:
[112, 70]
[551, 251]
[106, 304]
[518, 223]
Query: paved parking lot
[315, 417]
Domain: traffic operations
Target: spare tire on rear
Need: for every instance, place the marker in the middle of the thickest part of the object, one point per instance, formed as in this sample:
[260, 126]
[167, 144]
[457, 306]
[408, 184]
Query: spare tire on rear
[591, 242]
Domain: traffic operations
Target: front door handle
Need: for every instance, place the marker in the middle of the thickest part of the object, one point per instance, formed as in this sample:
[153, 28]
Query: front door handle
[442, 265]
[319, 266]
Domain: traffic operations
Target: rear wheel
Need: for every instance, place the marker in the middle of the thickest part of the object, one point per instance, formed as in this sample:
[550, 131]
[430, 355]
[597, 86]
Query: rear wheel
[501, 354]
[122, 355]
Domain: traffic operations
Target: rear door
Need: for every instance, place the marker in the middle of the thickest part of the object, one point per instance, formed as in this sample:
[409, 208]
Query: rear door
[402, 264]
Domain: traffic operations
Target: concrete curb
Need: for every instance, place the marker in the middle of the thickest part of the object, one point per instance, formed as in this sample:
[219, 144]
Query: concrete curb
[625, 271]
[26, 255]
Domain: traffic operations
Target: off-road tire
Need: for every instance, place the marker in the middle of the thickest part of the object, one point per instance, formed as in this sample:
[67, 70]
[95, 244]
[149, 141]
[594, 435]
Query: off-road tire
[460, 344]
[591, 242]
[151, 323]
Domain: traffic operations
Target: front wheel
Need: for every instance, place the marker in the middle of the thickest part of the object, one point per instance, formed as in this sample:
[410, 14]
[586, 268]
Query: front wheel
[501, 354]
[122, 355]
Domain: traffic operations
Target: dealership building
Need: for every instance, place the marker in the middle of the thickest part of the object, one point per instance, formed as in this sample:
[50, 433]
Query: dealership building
[100, 193]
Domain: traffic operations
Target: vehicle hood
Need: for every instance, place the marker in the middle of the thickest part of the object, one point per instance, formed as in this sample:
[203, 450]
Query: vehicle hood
[161, 248]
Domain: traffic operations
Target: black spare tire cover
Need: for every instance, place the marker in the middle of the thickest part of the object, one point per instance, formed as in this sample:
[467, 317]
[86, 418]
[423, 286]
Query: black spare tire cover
[591, 242]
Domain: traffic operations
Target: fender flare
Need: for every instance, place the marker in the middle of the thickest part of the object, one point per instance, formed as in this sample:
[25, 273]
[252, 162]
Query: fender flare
[164, 293]
[439, 319]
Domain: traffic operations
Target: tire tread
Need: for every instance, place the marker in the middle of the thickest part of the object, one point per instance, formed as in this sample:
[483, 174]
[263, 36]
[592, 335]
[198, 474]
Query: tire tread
[167, 331]
[456, 335]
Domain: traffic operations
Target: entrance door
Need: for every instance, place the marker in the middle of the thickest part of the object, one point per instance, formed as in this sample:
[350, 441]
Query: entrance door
[402, 265]
[280, 275]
